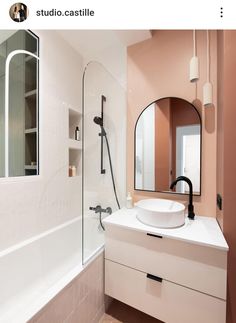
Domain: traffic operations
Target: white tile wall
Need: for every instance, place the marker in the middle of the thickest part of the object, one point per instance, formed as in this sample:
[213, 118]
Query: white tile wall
[32, 205]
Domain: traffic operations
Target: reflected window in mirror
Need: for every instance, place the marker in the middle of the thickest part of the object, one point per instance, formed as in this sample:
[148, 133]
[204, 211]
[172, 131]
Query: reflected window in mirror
[19, 65]
[168, 145]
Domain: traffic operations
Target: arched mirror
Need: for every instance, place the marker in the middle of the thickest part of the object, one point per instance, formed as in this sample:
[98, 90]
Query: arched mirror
[168, 145]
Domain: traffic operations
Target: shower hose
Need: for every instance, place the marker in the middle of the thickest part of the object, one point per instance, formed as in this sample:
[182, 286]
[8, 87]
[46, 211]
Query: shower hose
[111, 169]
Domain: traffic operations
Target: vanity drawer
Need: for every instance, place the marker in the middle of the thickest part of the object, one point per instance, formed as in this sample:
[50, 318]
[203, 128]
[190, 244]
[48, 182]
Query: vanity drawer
[164, 300]
[198, 267]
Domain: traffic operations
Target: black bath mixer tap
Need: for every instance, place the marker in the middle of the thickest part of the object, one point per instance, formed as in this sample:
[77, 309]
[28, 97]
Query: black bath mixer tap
[99, 209]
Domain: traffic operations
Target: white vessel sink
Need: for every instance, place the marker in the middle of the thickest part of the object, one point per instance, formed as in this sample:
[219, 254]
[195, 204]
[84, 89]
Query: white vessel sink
[160, 213]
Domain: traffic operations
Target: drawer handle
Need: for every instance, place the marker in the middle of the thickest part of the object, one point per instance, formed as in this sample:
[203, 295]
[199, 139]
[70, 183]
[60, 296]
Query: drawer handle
[154, 235]
[156, 278]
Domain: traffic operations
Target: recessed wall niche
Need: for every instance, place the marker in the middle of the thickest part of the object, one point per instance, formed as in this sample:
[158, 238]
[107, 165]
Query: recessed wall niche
[74, 142]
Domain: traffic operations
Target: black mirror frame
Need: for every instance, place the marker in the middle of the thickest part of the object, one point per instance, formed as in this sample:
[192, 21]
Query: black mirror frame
[200, 120]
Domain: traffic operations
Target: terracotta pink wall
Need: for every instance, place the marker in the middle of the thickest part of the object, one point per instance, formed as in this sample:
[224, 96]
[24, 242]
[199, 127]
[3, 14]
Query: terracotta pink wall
[182, 115]
[162, 149]
[227, 156]
[159, 67]
[220, 116]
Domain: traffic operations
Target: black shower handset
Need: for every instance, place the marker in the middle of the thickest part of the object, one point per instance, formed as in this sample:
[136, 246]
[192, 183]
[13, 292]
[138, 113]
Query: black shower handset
[98, 120]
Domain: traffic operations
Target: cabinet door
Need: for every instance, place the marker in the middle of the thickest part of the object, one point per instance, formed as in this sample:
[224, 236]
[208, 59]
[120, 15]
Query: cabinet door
[164, 300]
[197, 267]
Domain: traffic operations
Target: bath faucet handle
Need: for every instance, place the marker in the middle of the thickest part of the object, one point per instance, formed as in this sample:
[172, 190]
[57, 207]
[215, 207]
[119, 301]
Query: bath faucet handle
[96, 209]
[99, 209]
[109, 210]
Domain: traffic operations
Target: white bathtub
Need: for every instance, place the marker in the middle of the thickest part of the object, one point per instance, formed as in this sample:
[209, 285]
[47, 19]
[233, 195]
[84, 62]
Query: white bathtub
[34, 271]
[93, 236]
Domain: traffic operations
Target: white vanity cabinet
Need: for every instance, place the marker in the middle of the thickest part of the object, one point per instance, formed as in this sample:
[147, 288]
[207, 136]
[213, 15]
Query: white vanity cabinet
[175, 275]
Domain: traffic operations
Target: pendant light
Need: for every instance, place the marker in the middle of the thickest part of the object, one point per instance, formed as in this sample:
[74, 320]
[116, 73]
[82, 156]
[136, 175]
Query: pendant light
[194, 65]
[207, 88]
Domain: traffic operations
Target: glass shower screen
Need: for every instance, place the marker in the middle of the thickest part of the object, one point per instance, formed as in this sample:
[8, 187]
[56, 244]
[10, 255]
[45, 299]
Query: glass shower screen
[103, 97]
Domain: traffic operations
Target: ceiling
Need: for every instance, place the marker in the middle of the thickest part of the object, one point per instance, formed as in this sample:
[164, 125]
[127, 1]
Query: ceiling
[86, 42]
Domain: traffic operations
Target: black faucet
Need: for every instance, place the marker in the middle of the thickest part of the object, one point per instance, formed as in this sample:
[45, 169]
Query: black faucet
[191, 214]
[99, 209]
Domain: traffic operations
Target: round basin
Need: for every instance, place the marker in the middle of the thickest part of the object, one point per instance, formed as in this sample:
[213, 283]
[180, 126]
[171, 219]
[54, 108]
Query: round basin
[160, 213]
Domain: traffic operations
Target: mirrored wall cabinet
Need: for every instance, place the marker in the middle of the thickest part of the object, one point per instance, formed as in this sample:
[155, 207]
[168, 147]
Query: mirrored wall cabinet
[19, 91]
[168, 145]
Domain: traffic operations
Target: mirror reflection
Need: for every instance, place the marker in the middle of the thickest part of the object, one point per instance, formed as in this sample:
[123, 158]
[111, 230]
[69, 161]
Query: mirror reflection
[168, 145]
[18, 103]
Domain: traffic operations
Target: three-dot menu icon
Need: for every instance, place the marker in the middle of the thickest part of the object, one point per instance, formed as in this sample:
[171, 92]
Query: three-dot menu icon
[221, 12]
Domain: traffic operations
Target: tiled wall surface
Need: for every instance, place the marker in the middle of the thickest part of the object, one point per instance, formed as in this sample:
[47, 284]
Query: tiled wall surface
[82, 301]
[50, 199]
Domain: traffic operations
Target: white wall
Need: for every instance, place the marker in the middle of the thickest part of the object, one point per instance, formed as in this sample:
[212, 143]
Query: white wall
[106, 46]
[114, 59]
[109, 49]
[113, 82]
[30, 206]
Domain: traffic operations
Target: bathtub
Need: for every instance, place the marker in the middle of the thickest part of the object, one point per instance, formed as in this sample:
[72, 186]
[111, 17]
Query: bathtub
[34, 271]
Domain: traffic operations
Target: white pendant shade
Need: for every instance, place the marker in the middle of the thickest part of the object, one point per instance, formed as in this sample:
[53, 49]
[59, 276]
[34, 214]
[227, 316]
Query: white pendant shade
[194, 69]
[207, 94]
[194, 64]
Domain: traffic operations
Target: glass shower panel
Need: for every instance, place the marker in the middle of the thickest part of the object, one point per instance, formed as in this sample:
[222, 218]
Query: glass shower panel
[100, 89]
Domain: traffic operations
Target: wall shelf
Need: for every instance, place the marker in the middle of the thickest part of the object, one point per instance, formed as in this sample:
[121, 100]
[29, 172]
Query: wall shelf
[30, 131]
[74, 159]
[30, 167]
[74, 121]
[74, 146]
[30, 93]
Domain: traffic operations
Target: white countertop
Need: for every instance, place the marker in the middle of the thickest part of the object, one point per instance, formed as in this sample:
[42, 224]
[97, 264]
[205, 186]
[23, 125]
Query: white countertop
[202, 230]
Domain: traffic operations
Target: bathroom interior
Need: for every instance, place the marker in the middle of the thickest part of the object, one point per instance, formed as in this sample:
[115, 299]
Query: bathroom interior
[117, 176]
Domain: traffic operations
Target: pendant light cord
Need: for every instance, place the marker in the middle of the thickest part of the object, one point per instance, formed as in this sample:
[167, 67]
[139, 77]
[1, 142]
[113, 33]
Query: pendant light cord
[194, 43]
[208, 57]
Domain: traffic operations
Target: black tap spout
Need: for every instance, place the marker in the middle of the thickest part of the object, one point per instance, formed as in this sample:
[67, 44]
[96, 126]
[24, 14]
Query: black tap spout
[191, 213]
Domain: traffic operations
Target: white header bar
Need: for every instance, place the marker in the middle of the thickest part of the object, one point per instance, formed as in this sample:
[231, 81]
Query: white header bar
[122, 14]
